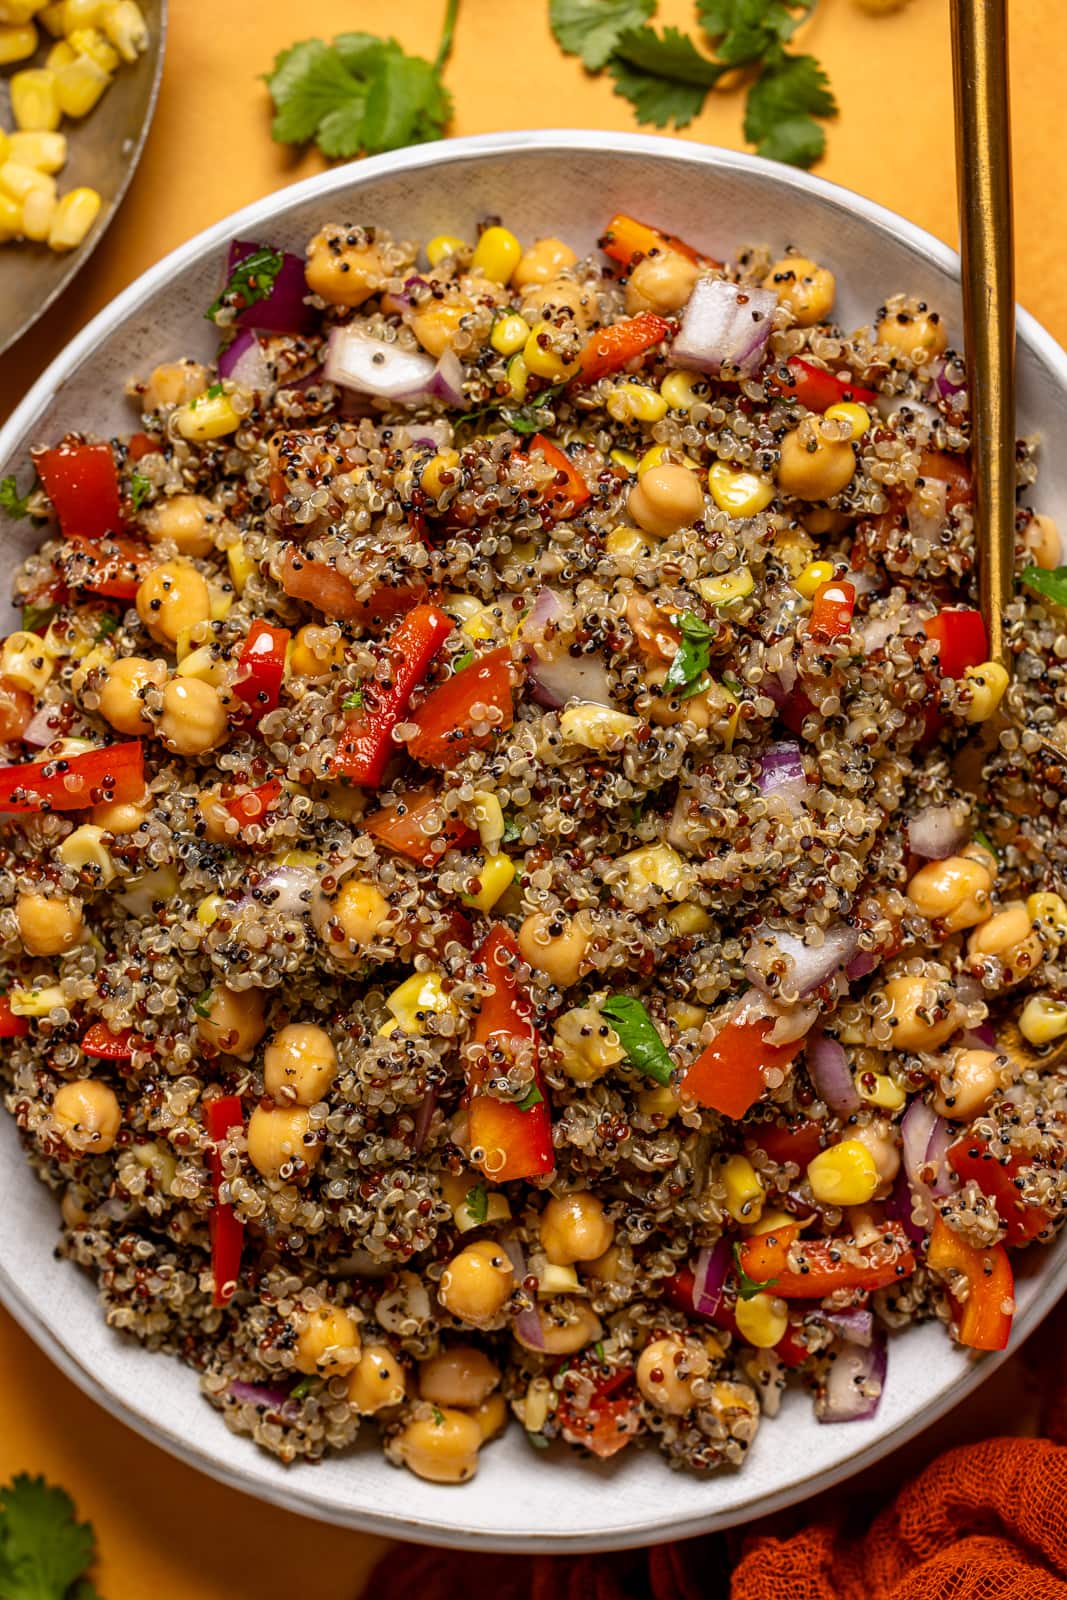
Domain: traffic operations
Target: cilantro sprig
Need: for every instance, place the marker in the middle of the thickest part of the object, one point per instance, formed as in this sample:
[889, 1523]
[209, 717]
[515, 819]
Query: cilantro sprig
[251, 281]
[44, 1552]
[11, 502]
[639, 1036]
[1049, 584]
[688, 670]
[748, 1288]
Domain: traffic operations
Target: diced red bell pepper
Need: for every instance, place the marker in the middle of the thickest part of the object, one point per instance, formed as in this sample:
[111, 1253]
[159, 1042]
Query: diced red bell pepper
[971, 1158]
[831, 610]
[398, 826]
[613, 347]
[366, 740]
[261, 668]
[253, 804]
[570, 489]
[728, 1075]
[680, 1291]
[798, 1141]
[954, 470]
[112, 566]
[99, 1041]
[795, 710]
[16, 710]
[82, 482]
[72, 782]
[984, 1324]
[816, 388]
[511, 1142]
[961, 639]
[446, 719]
[609, 1422]
[227, 1233]
[625, 239]
[11, 1027]
[825, 1268]
[318, 584]
[140, 445]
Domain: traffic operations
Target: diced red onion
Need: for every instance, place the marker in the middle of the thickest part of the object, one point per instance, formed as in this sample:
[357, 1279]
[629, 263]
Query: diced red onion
[245, 362]
[936, 832]
[39, 731]
[861, 965]
[527, 1324]
[900, 1207]
[402, 300]
[941, 1136]
[725, 328]
[980, 1038]
[709, 1276]
[829, 1072]
[855, 1380]
[924, 1138]
[424, 1117]
[782, 774]
[855, 1326]
[285, 889]
[924, 524]
[258, 1394]
[809, 967]
[890, 405]
[556, 676]
[389, 372]
[792, 1022]
[284, 310]
[948, 386]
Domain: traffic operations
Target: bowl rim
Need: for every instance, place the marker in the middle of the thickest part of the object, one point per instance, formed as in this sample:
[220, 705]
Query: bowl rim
[293, 1496]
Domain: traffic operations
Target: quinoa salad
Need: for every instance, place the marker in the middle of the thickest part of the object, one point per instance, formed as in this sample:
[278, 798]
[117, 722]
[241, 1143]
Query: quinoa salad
[494, 932]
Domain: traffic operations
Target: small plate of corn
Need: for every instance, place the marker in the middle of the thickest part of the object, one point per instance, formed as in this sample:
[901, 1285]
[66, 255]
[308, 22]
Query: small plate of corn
[78, 82]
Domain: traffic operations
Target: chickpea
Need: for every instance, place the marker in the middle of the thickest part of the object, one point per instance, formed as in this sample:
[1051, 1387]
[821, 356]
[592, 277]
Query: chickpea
[235, 1020]
[922, 1013]
[174, 384]
[566, 1328]
[1010, 937]
[72, 1207]
[189, 520]
[1043, 542]
[343, 267]
[213, 817]
[491, 1416]
[360, 911]
[670, 708]
[573, 1227]
[87, 1116]
[316, 652]
[172, 597]
[805, 287]
[588, 1045]
[917, 335]
[811, 467]
[661, 282]
[954, 892]
[975, 1076]
[557, 945]
[194, 717]
[123, 691]
[542, 262]
[299, 1064]
[119, 817]
[377, 1382]
[667, 498]
[328, 1343]
[47, 926]
[459, 1376]
[277, 1137]
[441, 1446]
[559, 301]
[666, 1370]
[879, 1138]
[436, 323]
[477, 1283]
[606, 1268]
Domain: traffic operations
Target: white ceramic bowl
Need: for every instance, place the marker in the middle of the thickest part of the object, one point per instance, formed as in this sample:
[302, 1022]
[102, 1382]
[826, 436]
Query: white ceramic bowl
[540, 183]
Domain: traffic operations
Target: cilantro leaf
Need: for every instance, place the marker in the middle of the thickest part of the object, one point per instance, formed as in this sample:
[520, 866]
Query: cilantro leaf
[512, 831]
[532, 1097]
[406, 103]
[592, 28]
[43, 1551]
[748, 30]
[251, 280]
[476, 1203]
[664, 77]
[353, 701]
[140, 487]
[14, 504]
[462, 661]
[790, 92]
[638, 1036]
[748, 1288]
[693, 655]
[1051, 585]
[36, 618]
[202, 1003]
[301, 1390]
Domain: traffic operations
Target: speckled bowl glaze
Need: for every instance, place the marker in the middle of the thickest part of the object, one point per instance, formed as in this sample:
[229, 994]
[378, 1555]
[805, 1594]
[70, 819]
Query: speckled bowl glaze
[567, 182]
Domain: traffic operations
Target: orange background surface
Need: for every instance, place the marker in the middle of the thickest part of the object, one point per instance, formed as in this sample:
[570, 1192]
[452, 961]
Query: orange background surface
[164, 1531]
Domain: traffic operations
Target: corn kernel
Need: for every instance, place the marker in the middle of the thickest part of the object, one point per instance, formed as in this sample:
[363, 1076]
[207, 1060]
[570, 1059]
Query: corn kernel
[731, 586]
[24, 663]
[35, 1002]
[850, 411]
[79, 85]
[658, 1102]
[636, 402]
[744, 1189]
[1049, 911]
[18, 41]
[60, 55]
[34, 100]
[18, 11]
[559, 1280]
[654, 458]
[844, 1175]
[495, 876]
[509, 334]
[430, 478]
[51, 17]
[1043, 1019]
[221, 599]
[761, 1320]
[729, 725]
[794, 550]
[625, 459]
[91, 42]
[738, 492]
[420, 993]
[879, 1089]
[209, 416]
[768, 1221]
[241, 568]
[496, 1210]
[682, 390]
[204, 664]
[542, 360]
[85, 848]
[814, 575]
[596, 727]
[73, 217]
[81, 14]
[38, 212]
[629, 543]
[209, 910]
[988, 683]
[442, 245]
[125, 26]
[46, 152]
[18, 180]
[658, 866]
[537, 1405]
[687, 919]
[518, 375]
[488, 818]
[482, 625]
[496, 255]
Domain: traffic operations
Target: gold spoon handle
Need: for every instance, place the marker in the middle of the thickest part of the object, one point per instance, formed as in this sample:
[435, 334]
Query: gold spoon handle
[983, 175]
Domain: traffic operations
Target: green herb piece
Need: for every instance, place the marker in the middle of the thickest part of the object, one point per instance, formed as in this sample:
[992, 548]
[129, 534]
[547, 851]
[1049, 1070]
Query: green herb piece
[353, 701]
[688, 669]
[986, 842]
[34, 618]
[746, 31]
[731, 683]
[1050, 585]
[638, 1036]
[462, 661]
[43, 1550]
[748, 1288]
[537, 1440]
[214, 392]
[512, 831]
[532, 1097]
[521, 419]
[476, 1203]
[301, 1390]
[664, 76]
[598, 1351]
[202, 1004]
[782, 105]
[251, 280]
[11, 502]
[361, 93]
[140, 487]
[592, 28]
[438, 1417]
[638, 811]
[107, 625]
